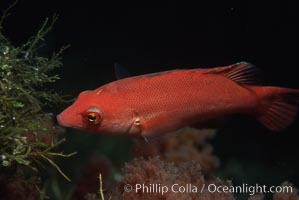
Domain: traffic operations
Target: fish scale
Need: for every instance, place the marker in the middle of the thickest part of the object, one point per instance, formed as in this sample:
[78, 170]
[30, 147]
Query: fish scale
[187, 96]
[161, 102]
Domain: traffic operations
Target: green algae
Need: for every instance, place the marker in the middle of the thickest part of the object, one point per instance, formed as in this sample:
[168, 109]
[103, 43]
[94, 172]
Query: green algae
[27, 133]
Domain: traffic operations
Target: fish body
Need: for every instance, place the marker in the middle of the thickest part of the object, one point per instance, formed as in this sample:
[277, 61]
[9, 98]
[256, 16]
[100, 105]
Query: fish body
[166, 101]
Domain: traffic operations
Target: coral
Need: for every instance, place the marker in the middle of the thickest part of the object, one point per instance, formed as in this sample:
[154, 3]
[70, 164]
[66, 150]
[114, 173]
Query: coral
[291, 195]
[19, 188]
[256, 197]
[159, 172]
[155, 173]
[89, 182]
[91, 196]
[287, 195]
[181, 146]
[150, 174]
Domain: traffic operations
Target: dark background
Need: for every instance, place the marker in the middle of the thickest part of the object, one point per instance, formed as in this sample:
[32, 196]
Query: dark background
[148, 37]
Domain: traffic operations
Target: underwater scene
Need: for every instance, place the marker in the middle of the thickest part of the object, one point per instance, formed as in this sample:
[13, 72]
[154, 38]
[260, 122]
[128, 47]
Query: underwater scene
[118, 100]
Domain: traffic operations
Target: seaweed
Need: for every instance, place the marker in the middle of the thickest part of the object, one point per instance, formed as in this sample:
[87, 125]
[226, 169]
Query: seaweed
[27, 133]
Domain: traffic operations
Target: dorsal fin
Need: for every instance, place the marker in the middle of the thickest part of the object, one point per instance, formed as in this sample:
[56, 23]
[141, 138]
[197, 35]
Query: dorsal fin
[241, 73]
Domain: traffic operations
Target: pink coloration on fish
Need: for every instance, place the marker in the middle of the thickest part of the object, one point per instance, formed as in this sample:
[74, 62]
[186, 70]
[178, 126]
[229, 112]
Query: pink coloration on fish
[167, 101]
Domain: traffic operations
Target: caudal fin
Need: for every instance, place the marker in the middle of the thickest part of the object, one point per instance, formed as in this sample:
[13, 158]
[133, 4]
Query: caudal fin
[278, 106]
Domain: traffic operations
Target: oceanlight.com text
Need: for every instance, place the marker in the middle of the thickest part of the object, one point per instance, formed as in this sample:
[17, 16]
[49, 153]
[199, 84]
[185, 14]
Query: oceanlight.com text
[211, 188]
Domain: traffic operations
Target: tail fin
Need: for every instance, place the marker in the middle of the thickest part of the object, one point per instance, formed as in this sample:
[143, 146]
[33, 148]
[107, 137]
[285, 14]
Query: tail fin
[278, 106]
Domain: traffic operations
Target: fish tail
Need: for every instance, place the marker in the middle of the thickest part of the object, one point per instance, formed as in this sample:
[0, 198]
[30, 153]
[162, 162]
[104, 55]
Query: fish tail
[277, 107]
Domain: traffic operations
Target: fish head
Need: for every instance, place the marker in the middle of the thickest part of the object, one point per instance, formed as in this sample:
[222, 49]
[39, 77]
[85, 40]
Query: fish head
[98, 111]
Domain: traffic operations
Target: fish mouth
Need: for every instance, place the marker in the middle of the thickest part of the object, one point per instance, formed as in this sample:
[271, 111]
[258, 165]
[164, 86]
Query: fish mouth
[61, 122]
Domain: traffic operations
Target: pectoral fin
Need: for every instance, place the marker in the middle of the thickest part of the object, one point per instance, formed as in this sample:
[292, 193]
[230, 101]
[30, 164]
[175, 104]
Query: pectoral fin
[159, 125]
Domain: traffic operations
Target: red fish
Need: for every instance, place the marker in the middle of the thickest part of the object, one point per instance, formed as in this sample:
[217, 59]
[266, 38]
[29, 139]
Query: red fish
[167, 101]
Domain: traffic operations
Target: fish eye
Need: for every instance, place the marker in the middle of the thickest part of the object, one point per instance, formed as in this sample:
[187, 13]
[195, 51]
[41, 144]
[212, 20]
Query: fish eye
[94, 115]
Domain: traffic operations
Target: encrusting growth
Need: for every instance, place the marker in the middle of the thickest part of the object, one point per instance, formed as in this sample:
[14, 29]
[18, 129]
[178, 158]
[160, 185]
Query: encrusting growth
[180, 161]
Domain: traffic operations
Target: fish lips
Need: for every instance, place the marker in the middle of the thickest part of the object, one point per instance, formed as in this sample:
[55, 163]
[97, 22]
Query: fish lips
[60, 120]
